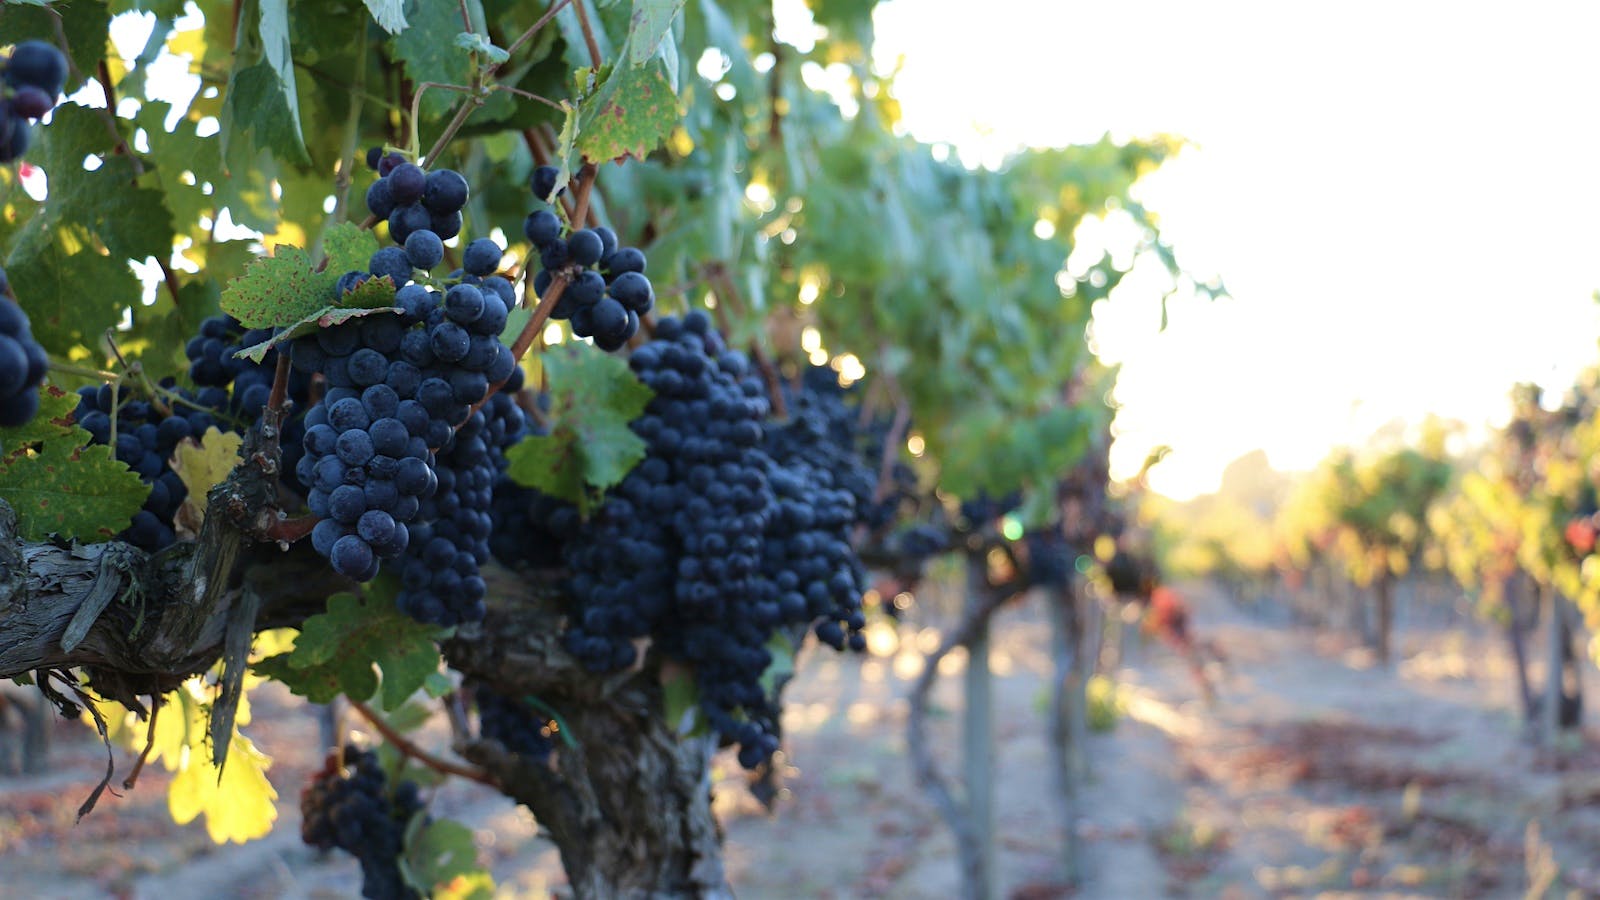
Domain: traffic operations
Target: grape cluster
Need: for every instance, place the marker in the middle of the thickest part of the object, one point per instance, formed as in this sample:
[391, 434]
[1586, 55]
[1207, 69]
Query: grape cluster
[607, 291]
[517, 726]
[214, 367]
[351, 807]
[1050, 559]
[145, 437]
[807, 551]
[33, 77]
[366, 442]
[710, 545]
[984, 509]
[440, 582]
[399, 386]
[22, 362]
[417, 202]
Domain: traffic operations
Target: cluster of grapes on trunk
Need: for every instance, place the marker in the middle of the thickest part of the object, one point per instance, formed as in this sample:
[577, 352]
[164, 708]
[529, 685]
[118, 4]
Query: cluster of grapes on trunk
[145, 438]
[215, 367]
[1050, 558]
[144, 431]
[31, 79]
[519, 728]
[351, 807]
[607, 291]
[398, 463]
[22, 362]
[709, 547]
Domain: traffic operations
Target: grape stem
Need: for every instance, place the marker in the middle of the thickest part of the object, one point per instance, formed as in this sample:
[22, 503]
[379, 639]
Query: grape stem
[82, 371]
[473, 101]
[530, 95]
[135, 370]
[288, 529]
[891, 449]
[588, 34]
[476, 92]
[534, 28]
[410, 749]
[586, 179]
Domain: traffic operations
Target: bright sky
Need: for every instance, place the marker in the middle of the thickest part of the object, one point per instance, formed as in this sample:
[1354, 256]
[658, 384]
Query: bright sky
[1401, 198]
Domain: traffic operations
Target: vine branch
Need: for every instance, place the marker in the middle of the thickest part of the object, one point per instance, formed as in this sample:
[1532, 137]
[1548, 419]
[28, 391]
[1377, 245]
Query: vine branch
[588, 35]
[409, 748]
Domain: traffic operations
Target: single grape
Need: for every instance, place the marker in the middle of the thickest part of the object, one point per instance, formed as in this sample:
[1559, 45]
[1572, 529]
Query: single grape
[543, 182]
[482, 257]
[407, 182]
[541, 228]
[424, 249]
[585, 247]
[37, 64]
[446, 193]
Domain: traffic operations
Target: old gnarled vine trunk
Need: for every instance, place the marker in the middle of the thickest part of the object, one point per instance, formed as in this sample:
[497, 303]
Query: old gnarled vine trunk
[625, 799]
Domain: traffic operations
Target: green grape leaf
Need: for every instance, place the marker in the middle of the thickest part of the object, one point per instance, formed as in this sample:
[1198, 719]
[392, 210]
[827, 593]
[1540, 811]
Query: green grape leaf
[629, 115]
[409, 717]
[567, 140]
[132, 221]
[349, 248]
[261, 109]
[438, 851]
[70, 297]
[651, 21]
[389, 14]
[593, 397]
[70, 286]
[279, 289]
[287, 288]
[374, 293]
[59, 483]
[326, 317]
[477, 43]
[437, 684]
[337, 650]
[428, 58]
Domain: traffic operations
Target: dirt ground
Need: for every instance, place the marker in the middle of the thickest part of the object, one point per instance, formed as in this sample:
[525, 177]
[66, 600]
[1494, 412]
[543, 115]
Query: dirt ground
[1317, 774]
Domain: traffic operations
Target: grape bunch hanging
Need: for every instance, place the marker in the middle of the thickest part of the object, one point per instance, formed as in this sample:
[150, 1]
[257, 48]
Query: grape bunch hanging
[607, 291]
[22, 362]
[399, 460]
[712, 545]
[31, 79]
[352, 807]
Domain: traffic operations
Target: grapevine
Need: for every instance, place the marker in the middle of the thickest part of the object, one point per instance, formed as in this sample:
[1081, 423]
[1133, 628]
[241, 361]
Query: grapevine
[588, 488]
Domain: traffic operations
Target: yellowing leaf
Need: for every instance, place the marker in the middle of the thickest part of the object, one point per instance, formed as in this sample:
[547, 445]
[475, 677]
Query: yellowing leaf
[240, 807]
[471, 886]
[202, 465]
